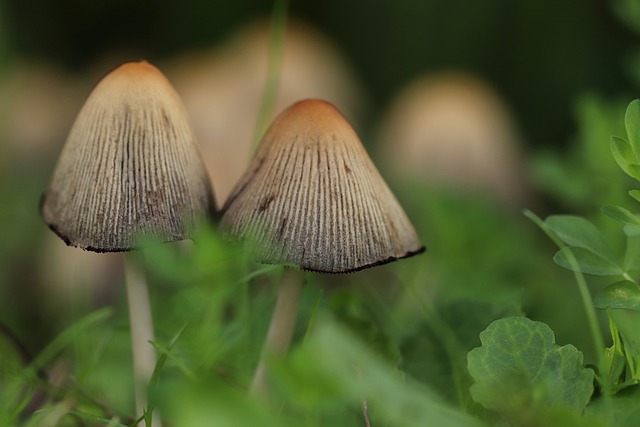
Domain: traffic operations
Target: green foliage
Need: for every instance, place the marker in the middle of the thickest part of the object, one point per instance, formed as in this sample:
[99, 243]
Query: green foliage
[585, 176]
[520, 366]
[624, 294]
[584, 249]
[579, 232]
[587, 251]
[623, 411]
[333, 369]
[627, 153]
[20, 381]
[624, 154]
[219, 405]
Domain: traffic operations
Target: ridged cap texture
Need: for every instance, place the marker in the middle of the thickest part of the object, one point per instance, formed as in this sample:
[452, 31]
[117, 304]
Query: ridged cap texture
[130, 168]
[312, 198]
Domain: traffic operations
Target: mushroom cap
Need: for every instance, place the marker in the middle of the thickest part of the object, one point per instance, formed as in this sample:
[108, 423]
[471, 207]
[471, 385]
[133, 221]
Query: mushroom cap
[312, 198]
[130, 168]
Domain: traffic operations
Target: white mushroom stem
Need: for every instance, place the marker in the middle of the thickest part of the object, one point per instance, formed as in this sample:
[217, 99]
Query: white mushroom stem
[141, 325]
[281, 327]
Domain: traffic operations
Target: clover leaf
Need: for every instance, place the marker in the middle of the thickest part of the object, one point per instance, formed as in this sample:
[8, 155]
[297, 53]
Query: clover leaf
[520, 365]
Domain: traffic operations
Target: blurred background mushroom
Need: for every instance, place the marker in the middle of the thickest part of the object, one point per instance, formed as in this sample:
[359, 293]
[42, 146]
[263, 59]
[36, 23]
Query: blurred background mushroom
[452, 130]
[222, 89]
[38, 103]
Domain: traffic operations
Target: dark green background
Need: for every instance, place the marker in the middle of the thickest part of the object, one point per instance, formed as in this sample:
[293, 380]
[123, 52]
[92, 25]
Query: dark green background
[540, 54]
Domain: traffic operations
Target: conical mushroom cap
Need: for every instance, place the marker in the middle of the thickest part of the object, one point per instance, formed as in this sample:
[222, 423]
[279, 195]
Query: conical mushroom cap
[129, 168]
[312, 198]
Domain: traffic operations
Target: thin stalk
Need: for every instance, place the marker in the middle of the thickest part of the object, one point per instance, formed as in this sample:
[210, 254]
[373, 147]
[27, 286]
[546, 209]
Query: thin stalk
[281, 327]
[365, 413]
[274, 64]
[141, 323]
[587, 302]
[365, 405]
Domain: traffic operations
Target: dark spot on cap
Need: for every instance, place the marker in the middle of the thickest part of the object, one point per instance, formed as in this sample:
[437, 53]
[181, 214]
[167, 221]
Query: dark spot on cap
[283, 224]
[265, 202]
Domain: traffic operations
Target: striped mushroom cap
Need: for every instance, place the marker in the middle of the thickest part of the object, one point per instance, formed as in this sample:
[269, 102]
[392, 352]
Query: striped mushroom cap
[129, 168]
[312, 198]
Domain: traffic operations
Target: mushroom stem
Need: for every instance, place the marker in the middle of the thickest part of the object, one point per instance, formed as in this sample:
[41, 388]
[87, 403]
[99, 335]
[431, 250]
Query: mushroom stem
[281, 327]
[141, 324]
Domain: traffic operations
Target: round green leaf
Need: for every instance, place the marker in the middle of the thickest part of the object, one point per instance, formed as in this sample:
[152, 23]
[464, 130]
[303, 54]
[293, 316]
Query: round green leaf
[585, 261]
[621, 214]
[624, 156]
[620, 295]
[632, 124]
[577, 231]
[635, 194]
[519, 364]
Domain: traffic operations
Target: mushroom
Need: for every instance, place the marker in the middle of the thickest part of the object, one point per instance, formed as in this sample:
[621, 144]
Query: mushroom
[129, 172]
[452, 130]
[312, 199]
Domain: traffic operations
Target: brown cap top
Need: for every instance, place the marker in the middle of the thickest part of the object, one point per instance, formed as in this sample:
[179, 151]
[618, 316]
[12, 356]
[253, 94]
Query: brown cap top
[312, 198]
[129, 168]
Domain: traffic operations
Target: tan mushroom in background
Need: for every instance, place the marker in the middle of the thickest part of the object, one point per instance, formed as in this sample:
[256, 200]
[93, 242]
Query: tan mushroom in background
[312, 199]
[38, 103]
[222, 89]
[452, 130]
[130, 170]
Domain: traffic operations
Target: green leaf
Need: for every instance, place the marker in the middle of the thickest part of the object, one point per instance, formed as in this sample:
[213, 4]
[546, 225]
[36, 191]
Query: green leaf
[620, 410]
[519, 364]
[627, 322]
[632, 124]
[96, 419]
[68, 336]
[612, 364]
[624, 156]
[631, 230]
[635, 194]
[621, 214]
[635, 170]
[584, 261]
[577, 231]
[621, 295]
[632, 254]
[154, 382]
[15, 391]
[211, 402]
[333, 370]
